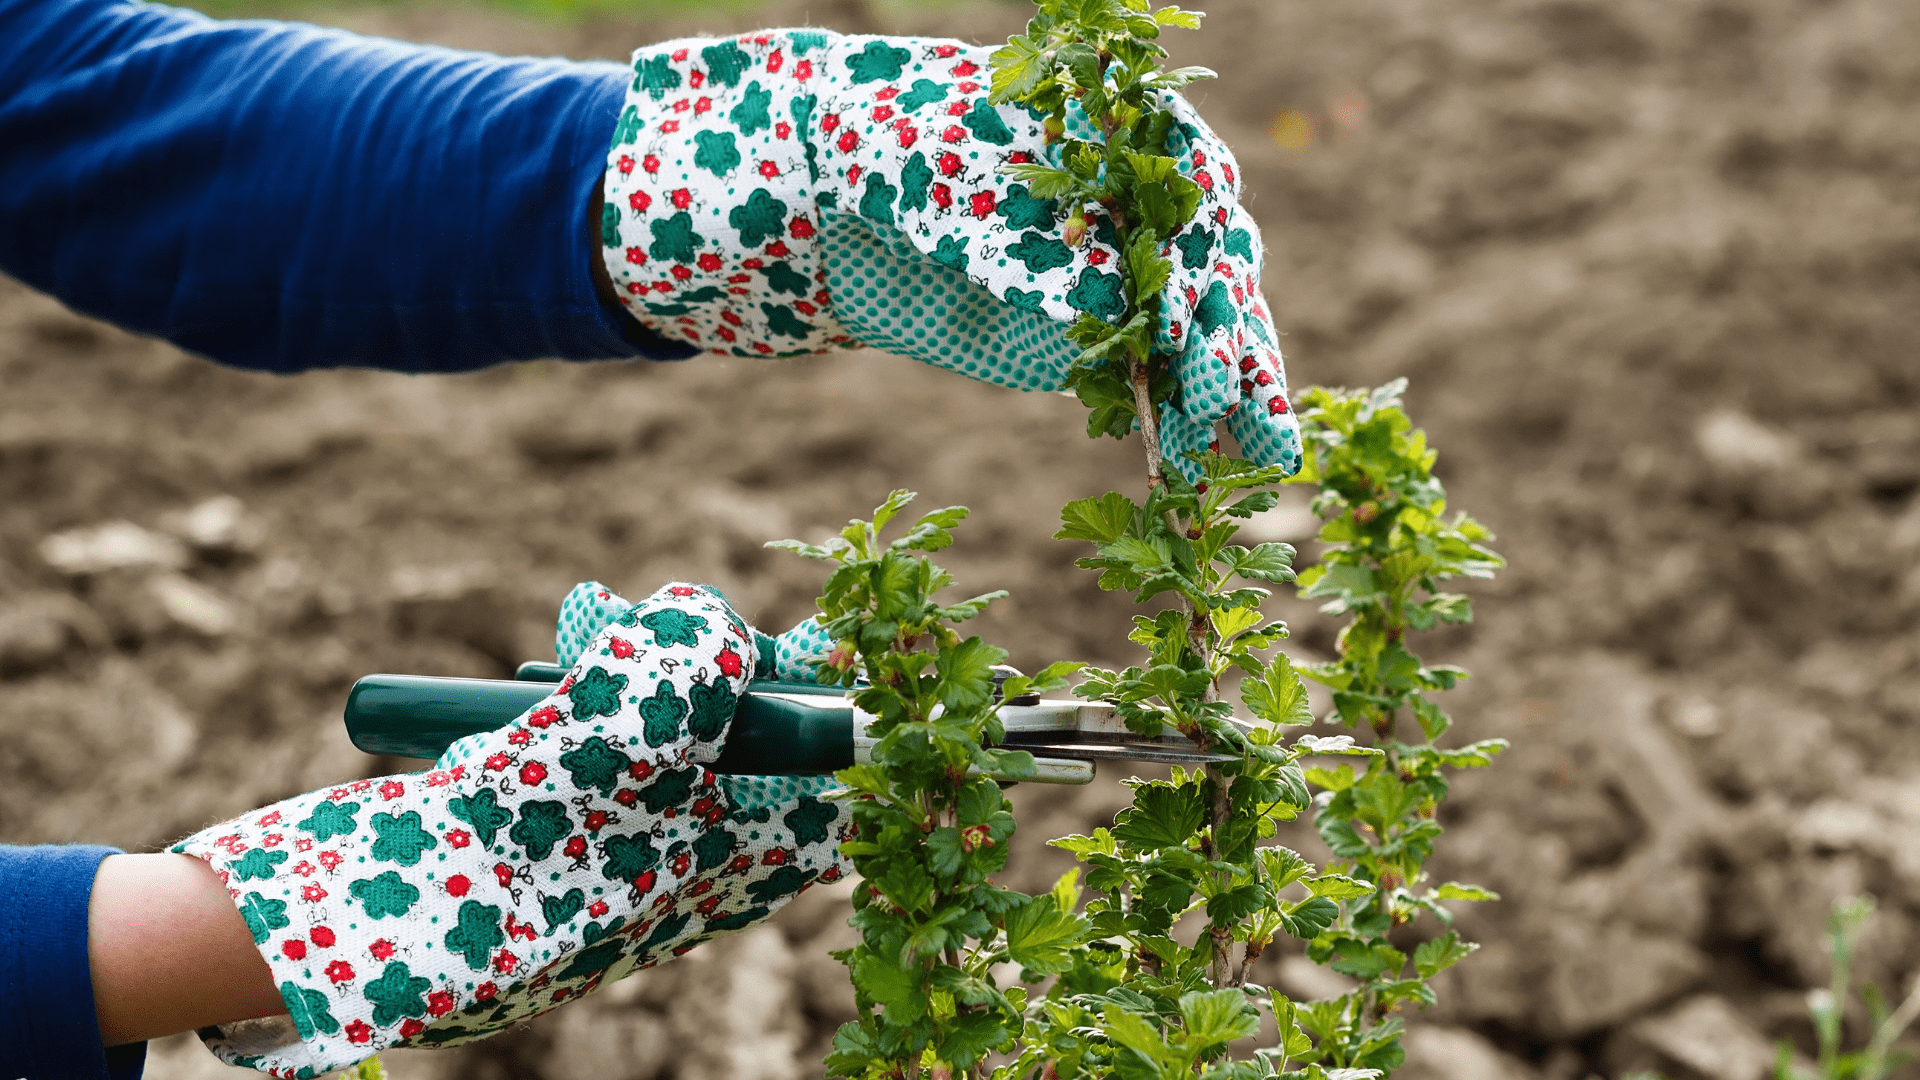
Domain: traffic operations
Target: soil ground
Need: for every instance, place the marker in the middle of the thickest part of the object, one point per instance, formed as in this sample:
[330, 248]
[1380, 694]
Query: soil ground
[1652, 267]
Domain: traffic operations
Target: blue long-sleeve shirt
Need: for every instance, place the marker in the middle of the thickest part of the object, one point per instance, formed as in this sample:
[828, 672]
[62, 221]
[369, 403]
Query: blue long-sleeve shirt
[47, 1026]
[278, 197]
[282, 197]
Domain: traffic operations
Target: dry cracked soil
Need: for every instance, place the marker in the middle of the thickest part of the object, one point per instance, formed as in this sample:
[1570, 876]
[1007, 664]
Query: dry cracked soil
[1652, 266]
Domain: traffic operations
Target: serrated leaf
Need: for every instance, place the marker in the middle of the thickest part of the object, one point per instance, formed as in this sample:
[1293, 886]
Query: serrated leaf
[1310, 917]
[966, 674]
[1337, 779]
[1283, 866]
[1338, 887]
[1265, 562]
[1364, 961]
[893, 985]
[1135, 1033]
[1430, 958]
[1180, 17]
[1150, 168]
[1041, 937]
[944, 853]
[967, 609]
[1454, 890]
[870, 779]
[1101, 520]
[1044, 182]
[1334, 744]
[1229, 623]
[1217, 1017]
[1434, 722]
[1100, 843]
[1234, 904]
[1161, 816]
[1066, 891]
[1279, 696]
[1018, 67]
[970, 1036]
[1147, 269]
[896, 501]
[1053, 676]
[810, 551]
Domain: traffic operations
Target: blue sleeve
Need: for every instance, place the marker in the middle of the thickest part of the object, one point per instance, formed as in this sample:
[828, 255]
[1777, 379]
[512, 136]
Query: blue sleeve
[47, 1025]
[281, 197]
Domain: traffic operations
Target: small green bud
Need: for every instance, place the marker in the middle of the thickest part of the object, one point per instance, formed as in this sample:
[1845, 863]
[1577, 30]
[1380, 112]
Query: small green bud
[1075, 232]
[1055, 129]
[844, 656]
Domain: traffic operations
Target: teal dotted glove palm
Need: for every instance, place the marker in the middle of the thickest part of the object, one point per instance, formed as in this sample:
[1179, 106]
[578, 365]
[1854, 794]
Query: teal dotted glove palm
[535, 863]
[793, 191]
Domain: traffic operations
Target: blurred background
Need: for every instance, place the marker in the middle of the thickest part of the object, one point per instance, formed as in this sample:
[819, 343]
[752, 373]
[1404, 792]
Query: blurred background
[1653, 267]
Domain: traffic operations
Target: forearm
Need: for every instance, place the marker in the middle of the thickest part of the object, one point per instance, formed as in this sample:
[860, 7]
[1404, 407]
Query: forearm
[168, 951]
[281, 196]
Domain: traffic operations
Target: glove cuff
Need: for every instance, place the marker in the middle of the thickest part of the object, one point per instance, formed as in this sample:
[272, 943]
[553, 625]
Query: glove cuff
[709, 220]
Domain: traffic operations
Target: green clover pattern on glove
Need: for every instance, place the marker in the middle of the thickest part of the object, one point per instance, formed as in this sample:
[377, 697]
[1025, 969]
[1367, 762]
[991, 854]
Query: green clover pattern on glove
[887, 194]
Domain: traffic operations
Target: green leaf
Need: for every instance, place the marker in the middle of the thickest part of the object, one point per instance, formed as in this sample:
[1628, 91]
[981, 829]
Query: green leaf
[1018, 67]
[1066, 891]
[906, 884]
[1217, 1017]
[930, 532]
[970, 1036]
[1266, 562]
[1433, 722]
[1339, 779]
[810, 551]
[1044, 182]
[1100, 843]
[1180, 17]
[1081, 61]
[944, 853]
[894, 504]
[1012, 764]
[1230, 622]
[1338, 887]
[1161, 816]
[1310, 917]
[980, 800]
[1430, 958]
[1135, 1033]
[854, 1051]
[1041, 937]
[966, 674]
[866, 779]
[1278, 696]
[967, 609]
[894, 985]
[1454, 890]
[1147, 269]
[1052, 677]
[1334, 744]
[1363, 961]
[1283, 866]
[1102, 520]
[1169, 682]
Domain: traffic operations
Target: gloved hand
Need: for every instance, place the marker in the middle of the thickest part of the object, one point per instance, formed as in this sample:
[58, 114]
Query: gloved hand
[535, 863]
[791, 191]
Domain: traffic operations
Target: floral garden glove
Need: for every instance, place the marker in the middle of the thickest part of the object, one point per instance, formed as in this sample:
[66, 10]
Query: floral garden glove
[535, 863]
[791, 191]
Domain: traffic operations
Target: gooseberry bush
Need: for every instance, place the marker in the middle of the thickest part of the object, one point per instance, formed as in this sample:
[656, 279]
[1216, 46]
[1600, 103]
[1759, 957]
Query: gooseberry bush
[1136, 964]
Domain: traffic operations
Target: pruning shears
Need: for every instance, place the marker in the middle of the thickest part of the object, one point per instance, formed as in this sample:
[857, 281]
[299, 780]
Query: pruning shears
[779, 728]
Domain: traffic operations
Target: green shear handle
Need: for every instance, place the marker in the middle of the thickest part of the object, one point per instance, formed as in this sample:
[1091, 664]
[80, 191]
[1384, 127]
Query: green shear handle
[779, 729]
